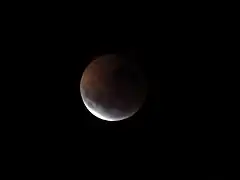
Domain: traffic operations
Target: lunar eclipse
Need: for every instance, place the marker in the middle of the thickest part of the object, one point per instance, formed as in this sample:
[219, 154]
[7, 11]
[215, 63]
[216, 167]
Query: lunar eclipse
[113, 87]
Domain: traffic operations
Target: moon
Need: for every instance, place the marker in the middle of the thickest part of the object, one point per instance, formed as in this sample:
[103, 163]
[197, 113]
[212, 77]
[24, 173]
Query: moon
[113, 87]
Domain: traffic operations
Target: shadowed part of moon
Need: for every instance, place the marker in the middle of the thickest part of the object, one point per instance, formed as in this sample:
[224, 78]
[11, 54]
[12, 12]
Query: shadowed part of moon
[112, 89]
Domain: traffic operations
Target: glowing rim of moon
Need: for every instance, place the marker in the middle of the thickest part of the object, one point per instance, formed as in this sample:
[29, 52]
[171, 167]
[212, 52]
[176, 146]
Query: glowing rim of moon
[100, 116]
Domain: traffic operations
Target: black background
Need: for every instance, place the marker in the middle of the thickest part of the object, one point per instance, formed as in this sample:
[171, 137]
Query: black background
[176, 66]
[174, 120]
[179, 54]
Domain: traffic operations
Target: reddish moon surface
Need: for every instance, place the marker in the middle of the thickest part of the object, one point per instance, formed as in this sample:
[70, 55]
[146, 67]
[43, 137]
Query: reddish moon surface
[112, 87]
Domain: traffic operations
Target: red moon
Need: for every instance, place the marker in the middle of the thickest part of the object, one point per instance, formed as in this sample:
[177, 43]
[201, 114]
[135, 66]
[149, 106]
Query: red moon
[112, 87]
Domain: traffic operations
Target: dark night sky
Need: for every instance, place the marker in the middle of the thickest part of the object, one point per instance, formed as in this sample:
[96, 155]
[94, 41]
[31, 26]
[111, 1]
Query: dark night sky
[175, 54]
[177, 121]
[176, 63]
[177, 67]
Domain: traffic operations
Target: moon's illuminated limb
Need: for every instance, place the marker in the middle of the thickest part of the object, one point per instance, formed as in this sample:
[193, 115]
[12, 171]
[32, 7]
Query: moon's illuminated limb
[97, 114]
[105, 116]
